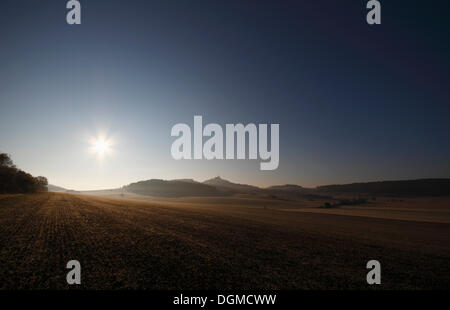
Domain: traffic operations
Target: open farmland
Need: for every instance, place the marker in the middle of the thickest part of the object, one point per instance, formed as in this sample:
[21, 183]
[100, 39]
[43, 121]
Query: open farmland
[223, 243]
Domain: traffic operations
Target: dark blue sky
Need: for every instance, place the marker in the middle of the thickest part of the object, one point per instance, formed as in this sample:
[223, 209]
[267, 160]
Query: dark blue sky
[354, 102]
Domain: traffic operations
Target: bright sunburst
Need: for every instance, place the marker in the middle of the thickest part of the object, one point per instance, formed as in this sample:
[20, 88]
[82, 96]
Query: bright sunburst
[100, 146]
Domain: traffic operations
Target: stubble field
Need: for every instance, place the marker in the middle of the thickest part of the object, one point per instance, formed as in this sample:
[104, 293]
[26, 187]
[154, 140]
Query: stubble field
[221, 243]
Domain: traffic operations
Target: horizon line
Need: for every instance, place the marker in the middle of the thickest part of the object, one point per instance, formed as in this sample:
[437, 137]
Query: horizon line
[260, 187]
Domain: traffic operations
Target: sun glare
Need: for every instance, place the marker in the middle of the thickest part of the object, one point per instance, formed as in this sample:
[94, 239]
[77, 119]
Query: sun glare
[101, 147]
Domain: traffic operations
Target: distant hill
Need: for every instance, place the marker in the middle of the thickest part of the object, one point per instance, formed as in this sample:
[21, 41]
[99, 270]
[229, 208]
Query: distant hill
[173, 188]
[288, 187]
[186, 180]
[56, 189]
[228, 186]
[220, 187]
[421, 187]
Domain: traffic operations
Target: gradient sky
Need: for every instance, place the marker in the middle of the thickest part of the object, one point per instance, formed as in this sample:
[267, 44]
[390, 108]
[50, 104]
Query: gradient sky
[354, 102]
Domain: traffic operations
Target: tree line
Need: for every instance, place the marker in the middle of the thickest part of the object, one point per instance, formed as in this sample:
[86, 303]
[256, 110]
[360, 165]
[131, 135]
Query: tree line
[14, 180]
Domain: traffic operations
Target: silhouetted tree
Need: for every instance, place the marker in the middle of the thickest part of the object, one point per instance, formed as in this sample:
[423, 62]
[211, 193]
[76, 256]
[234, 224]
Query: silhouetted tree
[25, 183]
[5, 161]
[42, 183]
[13, 180]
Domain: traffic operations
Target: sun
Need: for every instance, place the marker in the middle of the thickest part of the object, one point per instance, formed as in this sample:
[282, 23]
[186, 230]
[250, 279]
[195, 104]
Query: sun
[100, 146]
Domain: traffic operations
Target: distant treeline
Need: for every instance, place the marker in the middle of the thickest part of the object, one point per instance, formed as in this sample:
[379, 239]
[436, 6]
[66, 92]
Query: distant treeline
[421, 187]
[14, 180]
[344, 202]
[174, 188]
